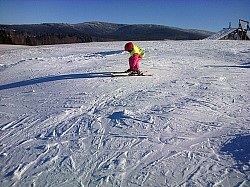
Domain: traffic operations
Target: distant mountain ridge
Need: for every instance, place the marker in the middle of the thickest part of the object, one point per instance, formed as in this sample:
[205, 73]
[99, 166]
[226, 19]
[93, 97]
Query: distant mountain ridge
[61, 33]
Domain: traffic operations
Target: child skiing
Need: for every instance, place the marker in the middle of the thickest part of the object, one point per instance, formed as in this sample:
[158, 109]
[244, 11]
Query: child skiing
[136, 54]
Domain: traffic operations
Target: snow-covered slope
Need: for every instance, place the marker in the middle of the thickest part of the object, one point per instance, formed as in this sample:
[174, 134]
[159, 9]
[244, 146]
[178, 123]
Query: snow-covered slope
[64, 121]
[219, 35]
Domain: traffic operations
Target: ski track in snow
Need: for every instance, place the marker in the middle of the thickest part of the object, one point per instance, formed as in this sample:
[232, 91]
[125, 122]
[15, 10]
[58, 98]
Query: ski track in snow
[66, 122]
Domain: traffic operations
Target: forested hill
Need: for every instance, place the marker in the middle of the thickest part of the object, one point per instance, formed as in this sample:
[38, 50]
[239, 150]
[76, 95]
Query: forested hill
[60, 33]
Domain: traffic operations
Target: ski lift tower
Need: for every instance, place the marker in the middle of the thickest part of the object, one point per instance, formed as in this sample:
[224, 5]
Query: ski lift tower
[242, 29]
[230, 33]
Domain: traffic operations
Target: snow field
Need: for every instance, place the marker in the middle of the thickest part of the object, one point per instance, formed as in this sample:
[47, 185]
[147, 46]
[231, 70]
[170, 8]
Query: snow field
[64, 121]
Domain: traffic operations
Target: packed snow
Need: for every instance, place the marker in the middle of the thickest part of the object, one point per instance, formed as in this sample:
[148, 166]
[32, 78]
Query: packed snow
[65, 121]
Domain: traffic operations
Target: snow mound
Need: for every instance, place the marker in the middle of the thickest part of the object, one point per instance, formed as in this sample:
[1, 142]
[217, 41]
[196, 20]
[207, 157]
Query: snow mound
[224, 32]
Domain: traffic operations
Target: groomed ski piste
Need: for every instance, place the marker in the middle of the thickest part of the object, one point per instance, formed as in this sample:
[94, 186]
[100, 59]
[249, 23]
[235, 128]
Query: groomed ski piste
[65, 121]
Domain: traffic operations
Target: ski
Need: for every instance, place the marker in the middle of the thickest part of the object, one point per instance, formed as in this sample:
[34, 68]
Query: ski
[124, 74]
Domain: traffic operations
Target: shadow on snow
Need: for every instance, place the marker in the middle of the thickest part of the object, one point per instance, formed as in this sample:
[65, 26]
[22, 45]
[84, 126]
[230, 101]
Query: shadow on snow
[244, 65]
[104, 53]
[239, 148]
[55, 78]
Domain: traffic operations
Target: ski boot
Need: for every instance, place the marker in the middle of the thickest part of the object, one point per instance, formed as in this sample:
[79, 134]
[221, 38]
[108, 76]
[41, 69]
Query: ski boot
[135, 73]
[128, 71]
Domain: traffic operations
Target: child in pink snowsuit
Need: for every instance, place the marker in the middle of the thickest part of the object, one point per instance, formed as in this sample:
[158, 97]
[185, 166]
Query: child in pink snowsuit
[136, 54]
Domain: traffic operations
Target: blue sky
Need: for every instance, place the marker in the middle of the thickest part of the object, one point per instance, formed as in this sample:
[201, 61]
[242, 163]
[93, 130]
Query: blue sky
[211, 15]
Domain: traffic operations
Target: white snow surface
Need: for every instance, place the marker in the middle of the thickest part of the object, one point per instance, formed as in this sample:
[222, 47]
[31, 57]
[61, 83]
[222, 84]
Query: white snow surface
[64, 121]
